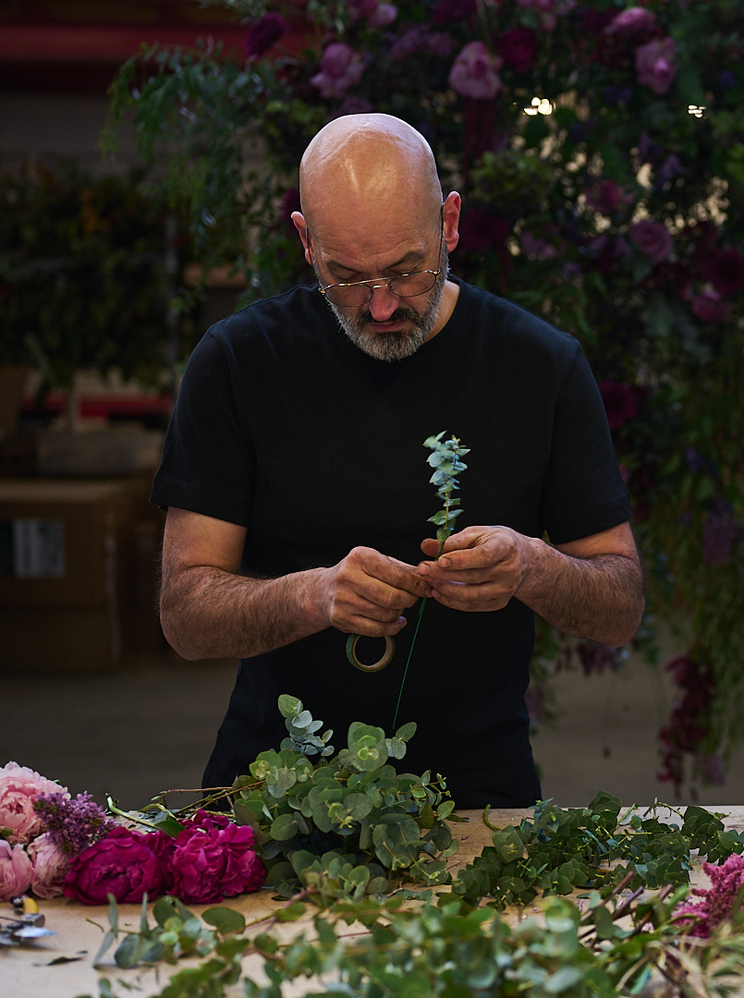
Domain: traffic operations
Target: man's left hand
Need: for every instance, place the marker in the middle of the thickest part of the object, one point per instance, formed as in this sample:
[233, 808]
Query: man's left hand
[480, 568]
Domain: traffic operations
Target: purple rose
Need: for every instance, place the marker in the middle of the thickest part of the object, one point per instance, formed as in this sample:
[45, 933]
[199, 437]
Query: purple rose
[653, 239]
[214, 859]
[619, 401]
[710, 307]
[340, 68]
[16, 870]
[634, 23]
[518, 47]
[607, 196]
[474, 73]
[263, 34]
[454, 10]
[655, 64]
[724, 270]
[123, 864]
[19, 788]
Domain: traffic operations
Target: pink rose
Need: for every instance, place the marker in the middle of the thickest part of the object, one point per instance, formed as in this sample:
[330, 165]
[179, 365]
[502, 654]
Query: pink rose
[655, 66]
[51, 865]
[19, 788]
[16, 870]
[215, 861]
[340, 68]
[122, 864]
[634, 23]
[710, 307]
[652, 238]
[517, 47]
[474, 73]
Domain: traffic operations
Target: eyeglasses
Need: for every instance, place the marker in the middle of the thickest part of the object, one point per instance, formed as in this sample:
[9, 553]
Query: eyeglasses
[357, 293]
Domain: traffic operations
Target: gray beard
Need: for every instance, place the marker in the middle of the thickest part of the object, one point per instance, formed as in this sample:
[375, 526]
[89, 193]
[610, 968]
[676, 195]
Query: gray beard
[397, 344]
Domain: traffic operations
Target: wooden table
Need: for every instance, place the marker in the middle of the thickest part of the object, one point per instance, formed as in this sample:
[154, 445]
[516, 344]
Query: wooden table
[27, 972]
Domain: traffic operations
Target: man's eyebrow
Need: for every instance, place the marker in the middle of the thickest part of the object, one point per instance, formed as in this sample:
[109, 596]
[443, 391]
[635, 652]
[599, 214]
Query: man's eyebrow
[411, 256]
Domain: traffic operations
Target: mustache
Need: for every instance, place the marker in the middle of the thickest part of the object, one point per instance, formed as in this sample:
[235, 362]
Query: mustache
[399, 315]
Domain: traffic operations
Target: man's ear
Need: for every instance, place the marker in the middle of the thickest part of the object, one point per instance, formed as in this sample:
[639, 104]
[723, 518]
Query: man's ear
[301, 225]
[451, 220]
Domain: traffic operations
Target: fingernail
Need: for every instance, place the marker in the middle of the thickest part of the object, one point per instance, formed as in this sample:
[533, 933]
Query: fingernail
[444, 562]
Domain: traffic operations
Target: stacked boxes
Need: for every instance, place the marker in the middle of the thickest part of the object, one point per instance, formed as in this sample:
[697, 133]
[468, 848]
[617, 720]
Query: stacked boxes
[71, 578]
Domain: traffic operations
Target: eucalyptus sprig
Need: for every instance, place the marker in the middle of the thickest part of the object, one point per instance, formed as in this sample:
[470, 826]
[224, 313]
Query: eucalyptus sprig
[446, 460]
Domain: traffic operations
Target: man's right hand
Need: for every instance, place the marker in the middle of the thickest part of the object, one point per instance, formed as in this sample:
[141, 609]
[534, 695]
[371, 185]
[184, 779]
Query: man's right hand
[367, 592]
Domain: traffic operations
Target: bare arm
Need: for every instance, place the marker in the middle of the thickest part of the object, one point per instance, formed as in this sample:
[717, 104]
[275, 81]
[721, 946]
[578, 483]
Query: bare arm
[589, 588]
[209, 610]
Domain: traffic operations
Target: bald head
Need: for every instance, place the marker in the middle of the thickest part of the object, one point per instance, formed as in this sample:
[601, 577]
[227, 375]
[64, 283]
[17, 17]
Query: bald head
[363, 165]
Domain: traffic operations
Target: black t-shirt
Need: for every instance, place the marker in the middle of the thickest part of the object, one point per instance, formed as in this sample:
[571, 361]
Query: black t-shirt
[284, 426]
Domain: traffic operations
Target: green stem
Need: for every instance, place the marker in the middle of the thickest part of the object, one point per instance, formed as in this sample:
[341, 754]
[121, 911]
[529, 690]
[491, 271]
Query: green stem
[413, 642]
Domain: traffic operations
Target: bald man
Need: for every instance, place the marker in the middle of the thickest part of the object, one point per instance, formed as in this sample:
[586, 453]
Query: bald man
[298, 495]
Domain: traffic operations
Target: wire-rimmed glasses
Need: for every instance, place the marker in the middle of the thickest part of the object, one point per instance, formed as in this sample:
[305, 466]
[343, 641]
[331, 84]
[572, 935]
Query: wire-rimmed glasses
[357, 293]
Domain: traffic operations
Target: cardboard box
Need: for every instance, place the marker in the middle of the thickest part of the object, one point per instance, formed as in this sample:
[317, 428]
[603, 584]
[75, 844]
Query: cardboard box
[67, 561]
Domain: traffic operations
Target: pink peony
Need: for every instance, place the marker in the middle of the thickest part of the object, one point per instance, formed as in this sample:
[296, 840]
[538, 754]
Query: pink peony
[518, 47]
[212, 860]
[123, 864]
[474, 73]
[652, 238]
[19, 788]
[264, 33]
[710, 307]
[15, 870]
[655, 65]
[340, 68]
[725, 271]
[51, 865]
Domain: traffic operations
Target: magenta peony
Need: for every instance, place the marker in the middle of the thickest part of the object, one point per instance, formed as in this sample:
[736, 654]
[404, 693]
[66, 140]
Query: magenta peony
[340, 68]
[475, 72]
[50, 866]
[655, 64]
[652, 238]
[214, 859]
[518, 47]
[620, 402]
[264, 33]
[123, 864]
[19, 788]
[16, 870]
[725, 271]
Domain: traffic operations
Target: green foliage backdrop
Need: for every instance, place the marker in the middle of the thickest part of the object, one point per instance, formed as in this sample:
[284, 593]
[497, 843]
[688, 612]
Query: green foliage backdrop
[598, 148]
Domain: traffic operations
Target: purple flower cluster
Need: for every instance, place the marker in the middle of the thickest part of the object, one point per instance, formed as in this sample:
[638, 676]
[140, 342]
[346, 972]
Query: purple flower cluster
[72, 824]
[719, 901]
[688, 722]
[721, 533]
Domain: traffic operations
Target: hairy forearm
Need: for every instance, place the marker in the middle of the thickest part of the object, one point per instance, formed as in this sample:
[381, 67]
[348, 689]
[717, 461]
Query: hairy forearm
[209, 613]
[598, 598]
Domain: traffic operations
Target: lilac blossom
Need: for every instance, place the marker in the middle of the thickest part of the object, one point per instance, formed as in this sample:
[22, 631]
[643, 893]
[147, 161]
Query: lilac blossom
[475, 72]
[340, 68]
[73, 825]
[655, 64]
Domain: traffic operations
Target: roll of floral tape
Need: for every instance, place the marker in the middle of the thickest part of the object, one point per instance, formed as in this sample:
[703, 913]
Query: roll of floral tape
[375, 666]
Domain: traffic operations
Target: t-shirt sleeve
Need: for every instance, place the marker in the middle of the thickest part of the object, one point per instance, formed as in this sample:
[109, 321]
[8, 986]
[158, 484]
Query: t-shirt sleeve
[208, 462]
[583, 491]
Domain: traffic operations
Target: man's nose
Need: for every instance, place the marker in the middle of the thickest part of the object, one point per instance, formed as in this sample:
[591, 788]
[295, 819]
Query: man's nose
[383, 302]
